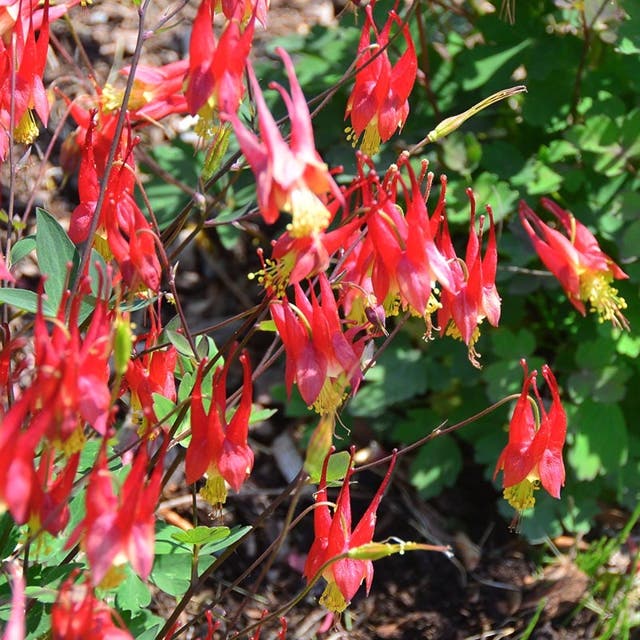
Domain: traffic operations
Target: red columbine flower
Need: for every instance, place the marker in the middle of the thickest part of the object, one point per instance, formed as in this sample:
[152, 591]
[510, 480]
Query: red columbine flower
[156, 92]
[378, 104]
[72, 381]
[216, 69]
[121, 527]
[129, 235]
[334, 537]
[245, 8]
[322, 358]
[21, 71]
[219, 447]
[477, 297]
[533, 455]
[576, 260]
[49, 500]
[17, 454]
[407, 261]
[78, 615]
[149, 373]
[293, 179]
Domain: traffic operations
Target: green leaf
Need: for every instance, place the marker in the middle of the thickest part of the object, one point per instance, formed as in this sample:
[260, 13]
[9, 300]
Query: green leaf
[167, 199]
[237, 533]
[22, 248]
[171, 573]
[606, 384]
[510, 345]
[132, 594]
[201, 535]
[436, 466]
[600, 441]
[25, 300]
[400, 374]
[162, 406]
[179, 342]
[484, 68]
[9, 535]
[55, 253]
[149, 633]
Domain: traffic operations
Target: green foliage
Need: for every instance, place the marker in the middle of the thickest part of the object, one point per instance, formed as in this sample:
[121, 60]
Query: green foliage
[572, 137]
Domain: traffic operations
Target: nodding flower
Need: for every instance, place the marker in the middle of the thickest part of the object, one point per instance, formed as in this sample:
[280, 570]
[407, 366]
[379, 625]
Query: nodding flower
[291, 178]
[335, 537]
[576, 260]
[378, 105]
[533, 455]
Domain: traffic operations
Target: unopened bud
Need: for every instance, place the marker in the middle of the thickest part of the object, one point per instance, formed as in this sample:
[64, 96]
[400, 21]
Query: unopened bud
[123, 343]
[448, 125]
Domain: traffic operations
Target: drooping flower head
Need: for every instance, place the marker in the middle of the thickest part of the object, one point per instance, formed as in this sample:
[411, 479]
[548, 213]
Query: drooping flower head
[322, 357]
[156, 92]
[576, 260]
[72, 379]
[334, 537]
[120, 526]
[378, 105]
[533, 455]
[219, 446]
[290, 178]
[476, 298]
[150, 373]
[21, 87]
[130, 239]
[214, 80]
[79, 615]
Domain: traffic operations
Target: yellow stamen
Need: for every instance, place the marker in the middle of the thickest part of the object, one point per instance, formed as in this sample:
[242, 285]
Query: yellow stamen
[27, 130]
[74, 443]
[371, 139]
[333, 599]
[309, 215]
[332, 395]
[114, 577]
[274, 274]
[596, 288]
[215, 490]
[520, 496]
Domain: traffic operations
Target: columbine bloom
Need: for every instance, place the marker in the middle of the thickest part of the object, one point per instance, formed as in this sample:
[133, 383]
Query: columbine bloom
[477, 298]
[130, 238]
[322, 358]
[78, 615]
[72, 382]
[334, 537]
[219, 447]
[149, 373]
[533, 455]
[23, 66]
[378, 104]
[293, 179]
[407, 263]
[214, 78]
[576, 260]
[121, 527]
[245, 8]
[156, 92]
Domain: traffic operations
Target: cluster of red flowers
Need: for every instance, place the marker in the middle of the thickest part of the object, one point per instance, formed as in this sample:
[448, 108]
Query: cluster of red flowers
[349, 259]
